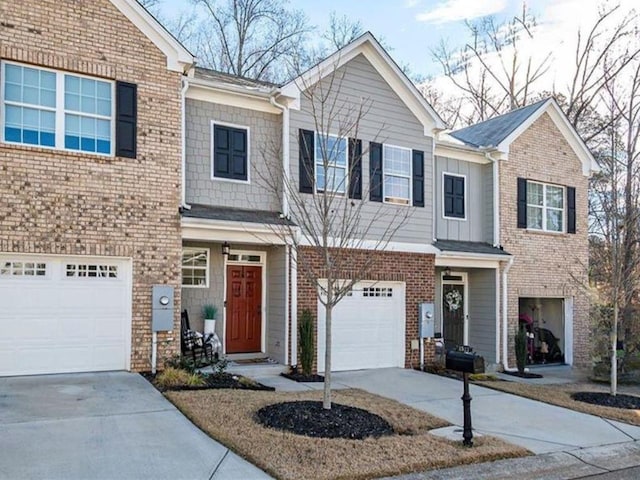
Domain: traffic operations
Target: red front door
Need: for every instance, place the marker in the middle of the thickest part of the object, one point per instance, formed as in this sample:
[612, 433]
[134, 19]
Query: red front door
[244, 309]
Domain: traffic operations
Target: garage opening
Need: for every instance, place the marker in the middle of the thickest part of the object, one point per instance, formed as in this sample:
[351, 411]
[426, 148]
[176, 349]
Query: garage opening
[544, 320]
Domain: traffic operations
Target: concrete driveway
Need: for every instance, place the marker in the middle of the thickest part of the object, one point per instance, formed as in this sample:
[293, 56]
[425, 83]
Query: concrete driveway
[537, 426]
[104, 426]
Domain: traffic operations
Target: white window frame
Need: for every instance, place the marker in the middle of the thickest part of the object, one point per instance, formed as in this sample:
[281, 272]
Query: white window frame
[101, 269]
[410, 177]
[206, 268]
[331, 165]
[466, 206]
[60, 110]
[11, 268]
[546, 208]
[213, 139]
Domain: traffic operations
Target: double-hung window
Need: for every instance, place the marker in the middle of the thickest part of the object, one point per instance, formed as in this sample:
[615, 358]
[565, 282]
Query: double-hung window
[397, 174]
[545, 207]
[47, 108]
[331, 163]
[195, 267]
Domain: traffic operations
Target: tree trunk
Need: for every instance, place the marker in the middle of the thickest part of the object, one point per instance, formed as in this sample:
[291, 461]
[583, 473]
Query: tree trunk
[326, 399]
[614, 351]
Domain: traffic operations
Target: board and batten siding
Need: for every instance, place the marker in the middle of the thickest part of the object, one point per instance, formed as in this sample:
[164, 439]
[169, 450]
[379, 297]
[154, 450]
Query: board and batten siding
[276, 304]
[265, 140]
[387, 120]
[477, 226]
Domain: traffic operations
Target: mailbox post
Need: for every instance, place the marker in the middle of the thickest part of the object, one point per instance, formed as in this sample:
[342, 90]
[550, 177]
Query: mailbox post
[465, 361]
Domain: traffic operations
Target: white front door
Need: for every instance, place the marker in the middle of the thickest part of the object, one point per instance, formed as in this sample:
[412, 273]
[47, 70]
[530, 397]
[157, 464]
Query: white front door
[368, 328]
[64, 314]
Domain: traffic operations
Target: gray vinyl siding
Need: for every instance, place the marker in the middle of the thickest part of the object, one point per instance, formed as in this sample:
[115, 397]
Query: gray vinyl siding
[264, 157]
[387, 120]
[276, 304]
[482, 313]
[477, 226]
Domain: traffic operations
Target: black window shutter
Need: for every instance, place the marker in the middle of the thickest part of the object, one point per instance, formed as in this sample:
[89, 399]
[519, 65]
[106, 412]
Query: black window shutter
[375, 172]
[571, 210]
[230, 149]
[306, 161]
[355, 168]
[239, 151]
[126, 119]
[453, 196]
[522, 203]
[418, 178]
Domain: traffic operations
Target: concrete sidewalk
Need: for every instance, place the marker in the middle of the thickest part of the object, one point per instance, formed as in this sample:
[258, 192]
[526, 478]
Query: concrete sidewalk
[104, 426]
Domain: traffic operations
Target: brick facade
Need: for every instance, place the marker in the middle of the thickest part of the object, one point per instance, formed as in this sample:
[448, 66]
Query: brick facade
[415, 269]
[546, 264]
[57, 202]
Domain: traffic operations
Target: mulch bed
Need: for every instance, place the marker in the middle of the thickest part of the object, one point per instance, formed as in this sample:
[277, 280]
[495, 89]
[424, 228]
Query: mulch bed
[605, 399]
[524, 374]
[310, 419]
[301, 377]
[217, 380]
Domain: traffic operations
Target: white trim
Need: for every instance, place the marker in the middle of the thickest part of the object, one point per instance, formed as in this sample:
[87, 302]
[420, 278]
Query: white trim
[263, 310]
[179, 59]
[451, 174]
[409, 177]
[469, 261]
[497, 306]
[287, 263]
[567, 306]
[59, 110]
[206, 269]
[376, 245]
[578, 146]
[368, 46]
[545, 208]
[330, 164]
[294, 306]
[232, 232]
[204, 92]
[465, 283]
[239, 127]
[460, 153]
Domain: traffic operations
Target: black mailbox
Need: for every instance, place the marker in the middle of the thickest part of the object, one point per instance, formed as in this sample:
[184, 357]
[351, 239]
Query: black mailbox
[465, 361]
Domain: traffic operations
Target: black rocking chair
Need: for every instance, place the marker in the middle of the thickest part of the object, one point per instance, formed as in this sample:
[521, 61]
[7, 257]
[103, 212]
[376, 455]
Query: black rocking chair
[193, 343]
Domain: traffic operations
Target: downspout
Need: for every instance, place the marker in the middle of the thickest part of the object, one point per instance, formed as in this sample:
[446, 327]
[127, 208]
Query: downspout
[434, 186]
[285, 154]
[183, 94]
[496, 198]
[505, 317]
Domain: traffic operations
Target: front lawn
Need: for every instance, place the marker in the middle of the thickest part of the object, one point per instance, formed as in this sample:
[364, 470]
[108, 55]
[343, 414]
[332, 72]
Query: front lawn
[560, 395]
[229, 417]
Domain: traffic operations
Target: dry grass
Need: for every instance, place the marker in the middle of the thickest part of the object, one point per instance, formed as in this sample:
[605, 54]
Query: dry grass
[560, 395]
[175, 377]
[227, 416]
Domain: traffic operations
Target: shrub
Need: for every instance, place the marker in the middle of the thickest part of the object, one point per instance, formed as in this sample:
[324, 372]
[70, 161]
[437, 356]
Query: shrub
[181, 363]
[521, 349]
[172, 377]
[305, 332]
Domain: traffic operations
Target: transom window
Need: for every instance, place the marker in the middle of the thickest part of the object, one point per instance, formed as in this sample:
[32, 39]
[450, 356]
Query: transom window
[195, 267]
[90, 270]
[545, 207]
[331, 172]
[397, 174]
[56, 109]
[23, 269]
[244, 257]
[377, 292]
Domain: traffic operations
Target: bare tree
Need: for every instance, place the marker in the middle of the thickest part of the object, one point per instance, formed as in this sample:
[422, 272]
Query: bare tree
[336, 225]
[249, 38]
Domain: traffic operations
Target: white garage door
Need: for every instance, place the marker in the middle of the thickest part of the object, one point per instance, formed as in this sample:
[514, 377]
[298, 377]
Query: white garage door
[64, 314]
[368, 328]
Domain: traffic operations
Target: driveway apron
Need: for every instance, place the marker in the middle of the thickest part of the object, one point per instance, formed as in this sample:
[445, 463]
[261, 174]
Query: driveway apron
[537, 426]
[104, 426]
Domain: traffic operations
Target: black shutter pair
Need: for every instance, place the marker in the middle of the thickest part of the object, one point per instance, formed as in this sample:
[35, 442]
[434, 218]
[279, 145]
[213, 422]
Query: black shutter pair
[230, 152]
[126, 119]
[376, 175]
[307, 164]
[522, 206]
[454, 196]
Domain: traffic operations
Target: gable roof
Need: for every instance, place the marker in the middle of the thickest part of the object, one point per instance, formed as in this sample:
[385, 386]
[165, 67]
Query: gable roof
[499, 132]
[367, 45]
[179, 59]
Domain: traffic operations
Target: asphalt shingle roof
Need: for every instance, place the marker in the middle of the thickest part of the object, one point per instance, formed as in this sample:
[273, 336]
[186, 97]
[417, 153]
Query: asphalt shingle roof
[492, 132]
[207, 212]
[468, 247]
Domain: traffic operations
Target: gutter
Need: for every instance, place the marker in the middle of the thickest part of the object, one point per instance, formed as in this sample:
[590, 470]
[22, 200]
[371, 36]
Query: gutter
[183, 94]
[505, 316]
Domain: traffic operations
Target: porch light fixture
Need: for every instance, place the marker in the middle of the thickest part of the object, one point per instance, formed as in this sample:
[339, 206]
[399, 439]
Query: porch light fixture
[447, 272]
[226, 248]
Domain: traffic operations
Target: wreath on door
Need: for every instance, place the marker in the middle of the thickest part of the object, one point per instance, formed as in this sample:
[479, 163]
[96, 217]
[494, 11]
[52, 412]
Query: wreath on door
[454, 300]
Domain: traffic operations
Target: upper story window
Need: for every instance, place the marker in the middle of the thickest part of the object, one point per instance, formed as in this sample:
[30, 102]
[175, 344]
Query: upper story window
[230, 152]
[195, 267]
[397, 174]
[453, 196]
[331, 172]
[545, 207]
[55, 109]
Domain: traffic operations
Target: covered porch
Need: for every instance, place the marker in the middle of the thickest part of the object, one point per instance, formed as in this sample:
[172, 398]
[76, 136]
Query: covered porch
[241, 267]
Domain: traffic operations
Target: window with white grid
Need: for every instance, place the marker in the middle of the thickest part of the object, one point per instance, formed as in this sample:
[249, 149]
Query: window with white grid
[195, 267]
[396, 166]
[23, 269]
[377, 292]
[90, 270]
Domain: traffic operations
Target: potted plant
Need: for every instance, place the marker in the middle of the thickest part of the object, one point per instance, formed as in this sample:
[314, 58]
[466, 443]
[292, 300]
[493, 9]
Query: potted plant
[210, 313]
